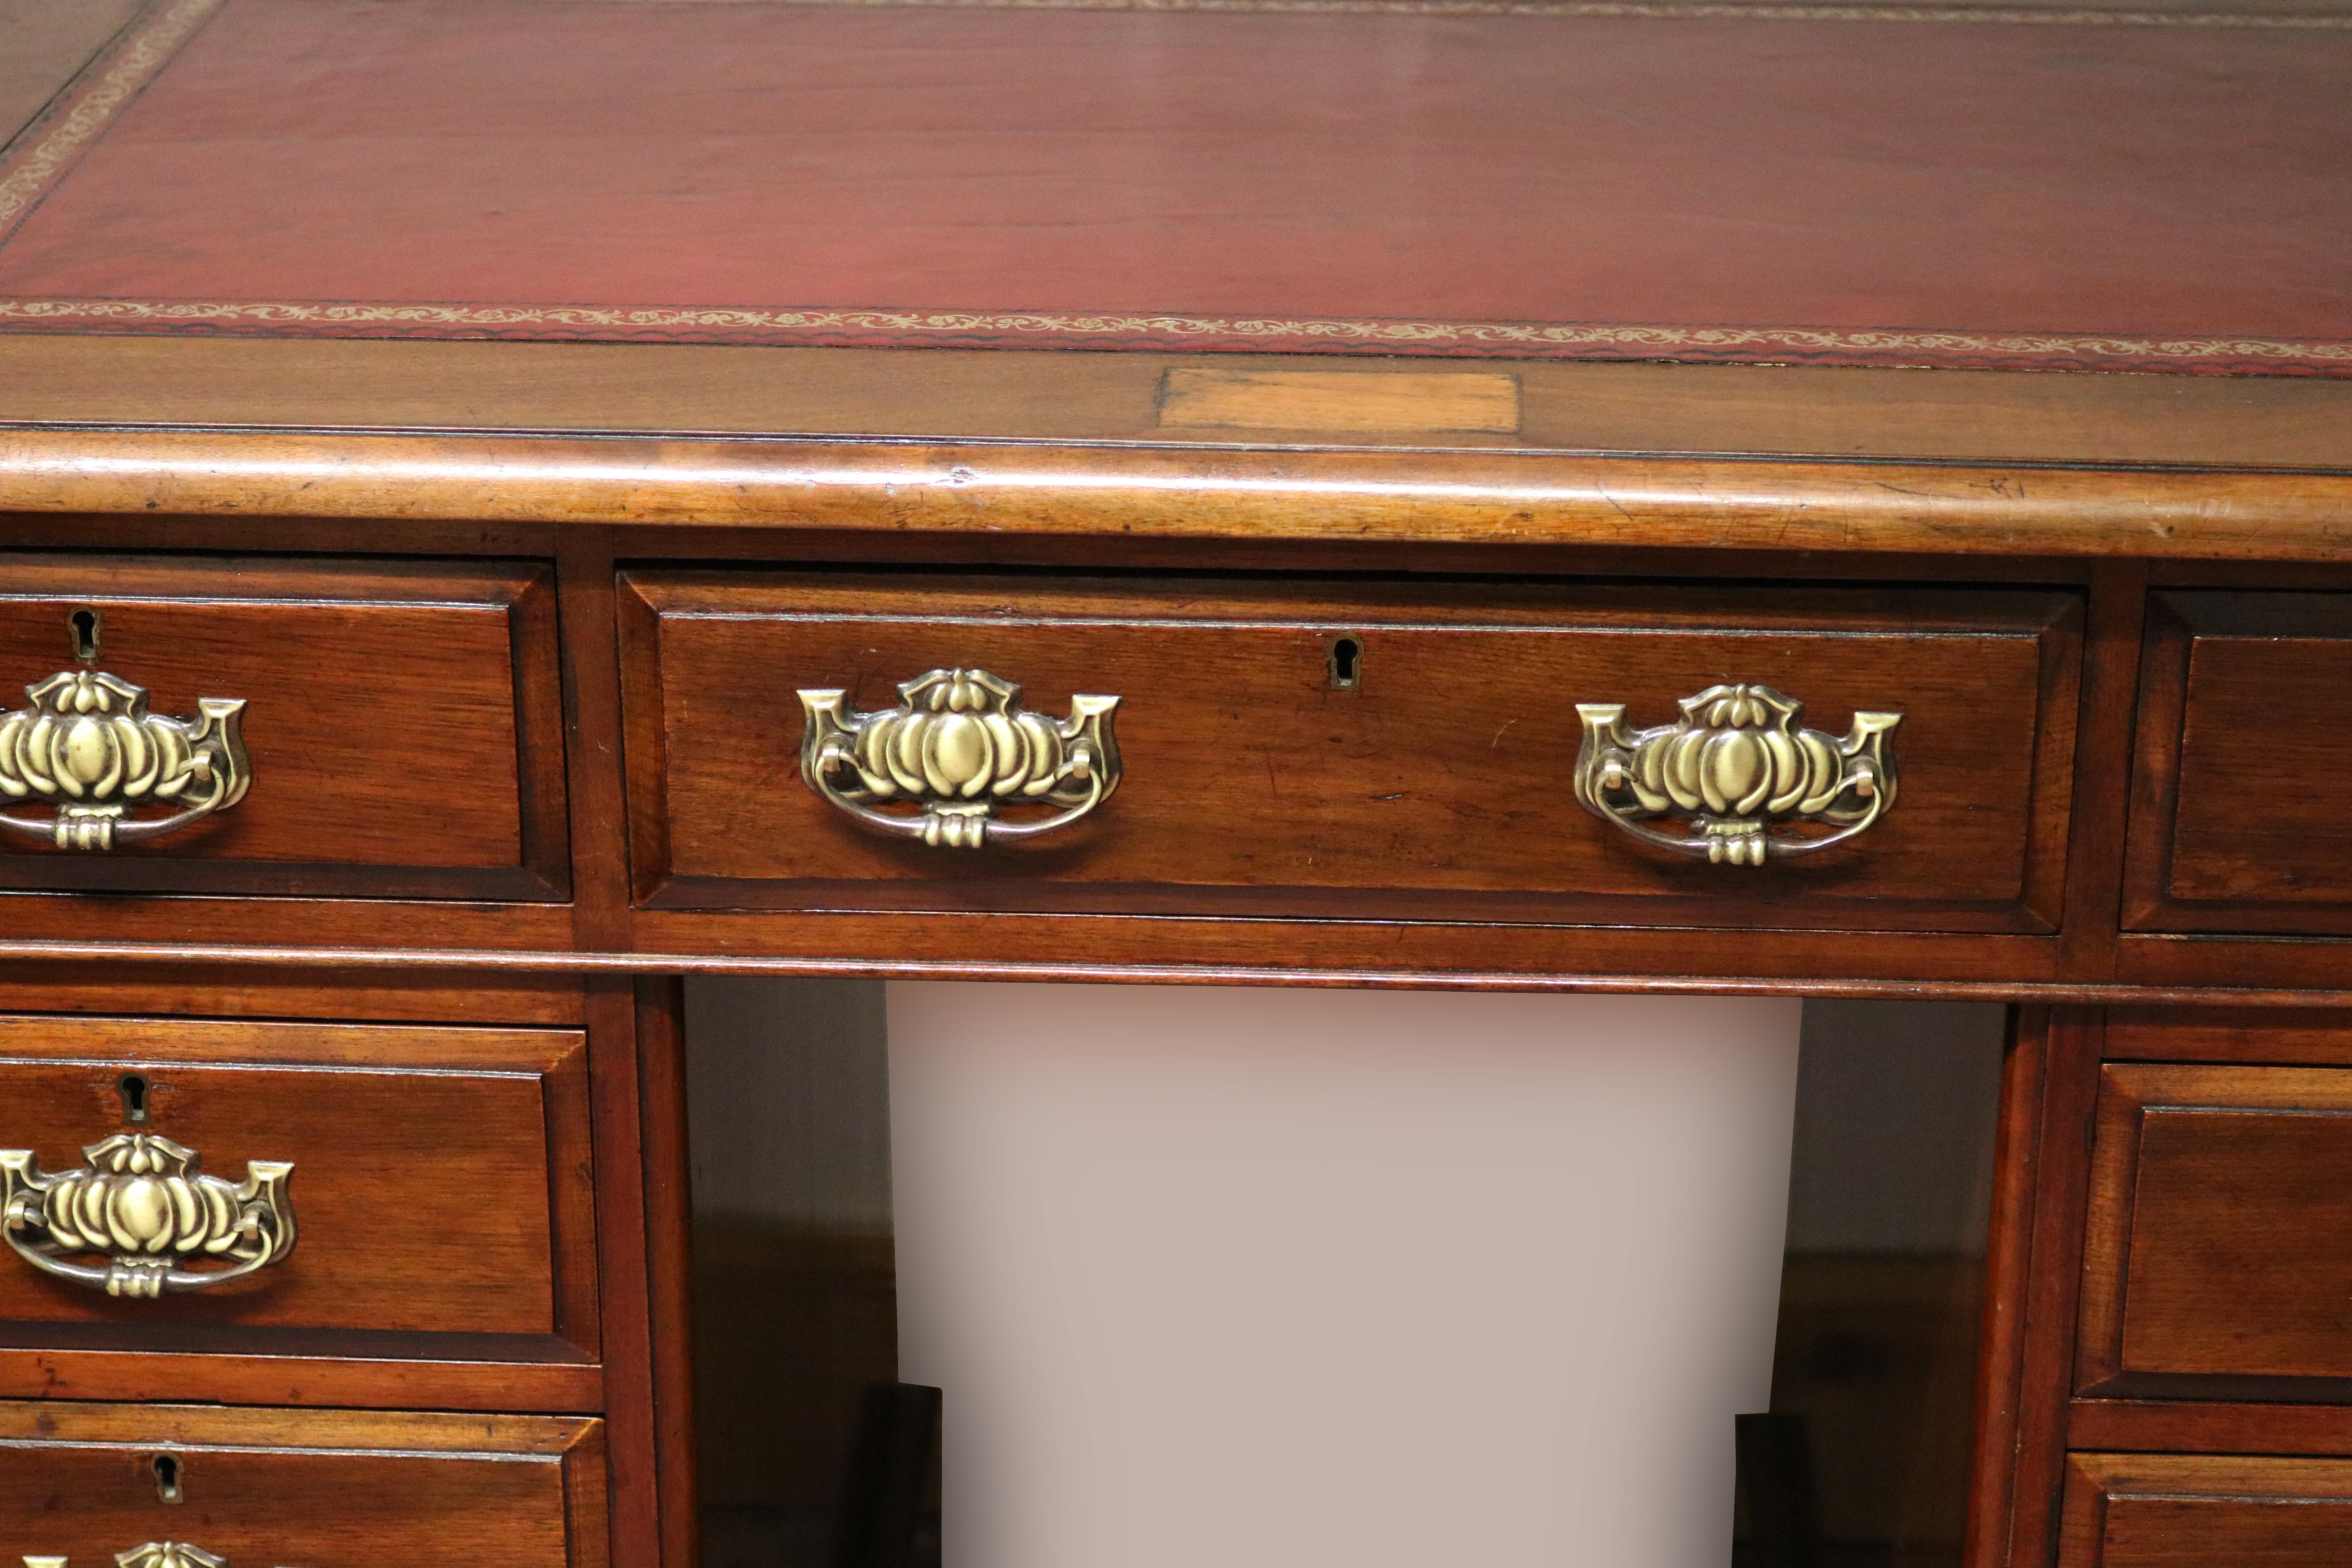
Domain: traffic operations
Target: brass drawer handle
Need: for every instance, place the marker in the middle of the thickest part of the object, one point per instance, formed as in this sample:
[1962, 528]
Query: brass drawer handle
[88, 747]
[1734, 764]
[154, 1554]
[958, 747]
[142, 1201]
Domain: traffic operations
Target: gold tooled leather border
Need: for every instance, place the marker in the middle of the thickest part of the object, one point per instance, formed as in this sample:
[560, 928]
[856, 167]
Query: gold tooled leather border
[1063, 328]
[1706, 10]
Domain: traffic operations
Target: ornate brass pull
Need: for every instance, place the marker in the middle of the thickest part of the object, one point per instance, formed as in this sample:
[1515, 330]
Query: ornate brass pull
[958, 747]
[88, 747]
[154, 1554]
[1736, 763]
[142, 1201]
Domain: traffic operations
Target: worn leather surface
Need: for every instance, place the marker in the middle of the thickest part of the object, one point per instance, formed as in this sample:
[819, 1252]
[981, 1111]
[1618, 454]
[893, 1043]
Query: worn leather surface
[2035, 194]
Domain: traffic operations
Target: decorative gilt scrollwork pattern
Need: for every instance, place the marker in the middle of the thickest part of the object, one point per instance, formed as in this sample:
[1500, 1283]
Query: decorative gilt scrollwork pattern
[1734, 764]
[87, 747]
[142, 1201]
[154, 1554]
[959, 747]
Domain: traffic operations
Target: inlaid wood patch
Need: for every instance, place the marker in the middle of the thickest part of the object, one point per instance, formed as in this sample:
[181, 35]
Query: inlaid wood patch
[1211, 398]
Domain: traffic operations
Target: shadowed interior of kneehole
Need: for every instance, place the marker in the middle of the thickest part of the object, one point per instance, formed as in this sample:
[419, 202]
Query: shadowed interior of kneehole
[813, 1454]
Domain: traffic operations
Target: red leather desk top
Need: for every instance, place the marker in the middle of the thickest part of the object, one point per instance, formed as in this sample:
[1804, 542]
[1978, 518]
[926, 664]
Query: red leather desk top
[2157, 194]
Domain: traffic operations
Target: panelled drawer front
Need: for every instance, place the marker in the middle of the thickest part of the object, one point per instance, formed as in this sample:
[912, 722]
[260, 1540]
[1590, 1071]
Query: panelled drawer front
[1438, 786]
[402, 720]
[2212, 1267]
[2147, 1510]
[441, 1184]
[314, 1490]
[2243, 781]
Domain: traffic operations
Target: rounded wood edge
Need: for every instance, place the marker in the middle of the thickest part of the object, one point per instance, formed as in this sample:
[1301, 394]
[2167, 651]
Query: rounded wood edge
[1149, 491]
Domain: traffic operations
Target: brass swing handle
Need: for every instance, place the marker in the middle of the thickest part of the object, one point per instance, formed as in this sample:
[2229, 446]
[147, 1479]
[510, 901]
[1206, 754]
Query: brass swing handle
[87, 747]
[1737, 762]
[154, 1554]
[959, 747]
[144, 1202]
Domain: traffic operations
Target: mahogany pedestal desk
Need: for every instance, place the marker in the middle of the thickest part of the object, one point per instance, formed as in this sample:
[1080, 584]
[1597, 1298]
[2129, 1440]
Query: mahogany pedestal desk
[504, 506]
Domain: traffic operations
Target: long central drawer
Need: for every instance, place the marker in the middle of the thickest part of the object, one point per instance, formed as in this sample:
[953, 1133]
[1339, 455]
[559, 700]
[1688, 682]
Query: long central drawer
[1383, 751]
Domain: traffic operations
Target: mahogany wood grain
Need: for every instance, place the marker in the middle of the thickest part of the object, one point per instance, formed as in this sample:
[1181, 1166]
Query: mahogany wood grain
[2210, 1428]
[385, 945]
[2255, 575]
[1269, 554]
[149, 532]
[323, 1488]
[2208, 1271]
[2299, 1037]
[287, 1367]
[2222, 964]
[1179, 492]
[1011, 395]
[2009, 1254]
[2148, 1510]
[1264, 553]
[1959, 969]
[196, 1425]
[441, 1184]
[2062, 1158]
[2243, 777]
[1424, 401]
[592, 714]
[163, 923]
[2095, 851]
[417, 995]
[669, 1260]
[1435, 789]
[402, 720]
[625, 1308]
[1926, 968]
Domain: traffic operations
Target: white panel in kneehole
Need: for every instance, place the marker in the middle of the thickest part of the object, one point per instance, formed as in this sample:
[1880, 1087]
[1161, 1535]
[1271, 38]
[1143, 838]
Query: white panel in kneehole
[1290, 1279]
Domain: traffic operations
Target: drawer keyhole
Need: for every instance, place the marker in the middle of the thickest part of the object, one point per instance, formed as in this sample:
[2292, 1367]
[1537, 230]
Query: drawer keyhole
[167, 1479]
[1347, 664]
[133, 1090]
[86, 624]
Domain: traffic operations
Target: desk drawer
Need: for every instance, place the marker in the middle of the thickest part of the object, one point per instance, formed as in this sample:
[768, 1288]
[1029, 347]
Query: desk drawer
[400, 728]
[1358, 752]
[439, 1196]
[2151, 1510]
[87, 1484]
[2212, 1266]
[2244, 779]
